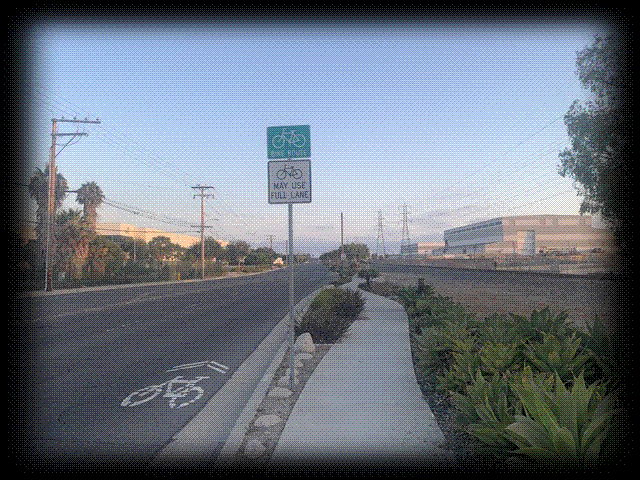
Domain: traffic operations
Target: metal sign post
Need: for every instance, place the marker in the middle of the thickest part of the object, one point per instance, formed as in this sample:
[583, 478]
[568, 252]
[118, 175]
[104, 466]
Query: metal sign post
[289, 182]
[292, 323]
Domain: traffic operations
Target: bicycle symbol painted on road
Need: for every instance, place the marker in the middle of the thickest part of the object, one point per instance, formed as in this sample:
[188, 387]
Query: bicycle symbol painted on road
[290, 137]
[188, 390]
[291, 171]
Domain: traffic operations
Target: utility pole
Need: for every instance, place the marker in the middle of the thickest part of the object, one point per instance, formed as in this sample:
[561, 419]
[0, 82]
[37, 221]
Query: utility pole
[271, 241]
[51, 200]
[202, 227]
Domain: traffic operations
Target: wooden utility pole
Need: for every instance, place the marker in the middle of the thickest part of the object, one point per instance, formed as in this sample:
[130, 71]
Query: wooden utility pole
[51, 200]
[202, 227]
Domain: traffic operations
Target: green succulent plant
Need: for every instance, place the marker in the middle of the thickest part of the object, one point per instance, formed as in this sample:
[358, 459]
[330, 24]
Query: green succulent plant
[497, 328]
[558, 354]
[486, 410]
[500, 357]
[543, 321]
[563, 426]
[604, 349]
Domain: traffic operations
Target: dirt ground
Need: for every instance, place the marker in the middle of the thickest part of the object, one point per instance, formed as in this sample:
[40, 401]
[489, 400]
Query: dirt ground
[503, 298]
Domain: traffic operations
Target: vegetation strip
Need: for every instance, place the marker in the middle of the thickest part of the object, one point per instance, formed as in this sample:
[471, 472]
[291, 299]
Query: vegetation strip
[531, 390]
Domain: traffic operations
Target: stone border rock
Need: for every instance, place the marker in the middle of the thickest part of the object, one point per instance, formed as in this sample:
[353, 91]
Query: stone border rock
[260, 438]
[238, 433]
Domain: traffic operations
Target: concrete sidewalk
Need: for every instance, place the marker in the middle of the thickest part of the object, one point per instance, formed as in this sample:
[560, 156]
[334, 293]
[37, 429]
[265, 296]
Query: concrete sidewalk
[362, 402]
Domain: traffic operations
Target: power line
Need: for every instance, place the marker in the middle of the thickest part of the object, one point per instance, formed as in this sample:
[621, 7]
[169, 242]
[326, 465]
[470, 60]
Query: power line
[144, 214]
[476, 191]
[112, 139]
[118, 139]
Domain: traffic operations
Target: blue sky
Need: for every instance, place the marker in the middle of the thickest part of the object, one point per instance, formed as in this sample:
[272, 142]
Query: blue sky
[460, 122]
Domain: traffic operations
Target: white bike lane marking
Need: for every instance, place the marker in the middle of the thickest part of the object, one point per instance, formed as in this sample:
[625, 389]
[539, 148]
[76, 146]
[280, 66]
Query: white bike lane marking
[152, 391]
[211, 364]
[188, 387]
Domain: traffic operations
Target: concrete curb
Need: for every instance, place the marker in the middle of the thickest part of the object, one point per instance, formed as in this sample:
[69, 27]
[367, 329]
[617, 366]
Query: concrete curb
[239, 431]
[207, 430]
[41, 293]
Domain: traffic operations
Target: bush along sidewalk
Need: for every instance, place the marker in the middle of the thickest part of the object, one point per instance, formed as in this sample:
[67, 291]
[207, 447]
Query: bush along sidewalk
[368, 274]
[330, 315]
[537, 388]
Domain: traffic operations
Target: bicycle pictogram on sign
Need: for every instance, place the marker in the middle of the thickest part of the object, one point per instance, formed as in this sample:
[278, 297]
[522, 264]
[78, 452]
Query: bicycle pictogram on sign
[290, 137]
[289, 170]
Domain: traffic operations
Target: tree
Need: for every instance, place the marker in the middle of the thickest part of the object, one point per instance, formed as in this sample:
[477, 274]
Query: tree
[72, 239]
[162, 249]
[105, 257]
[358, 250]
[236, 250]
[39, 191]
[90, 196]
[260, 256]
[212, 249]
[600, 137]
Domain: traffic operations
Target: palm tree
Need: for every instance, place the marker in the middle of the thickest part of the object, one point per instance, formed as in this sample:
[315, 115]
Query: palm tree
[39, 190]
[90, 196]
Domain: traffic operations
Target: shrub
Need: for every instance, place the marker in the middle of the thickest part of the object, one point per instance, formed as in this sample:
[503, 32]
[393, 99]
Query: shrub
[330, 314]
[604, 349]
[368, 272]
[324, 325]
[339, 301]
[466, 363]
[212, 269]
[498, 358]
[500, 329]
[164, 273]
[503, 367]
[431, 350]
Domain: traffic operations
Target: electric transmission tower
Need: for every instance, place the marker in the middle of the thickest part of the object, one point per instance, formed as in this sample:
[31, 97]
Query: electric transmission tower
[380, 235]
[405, 229]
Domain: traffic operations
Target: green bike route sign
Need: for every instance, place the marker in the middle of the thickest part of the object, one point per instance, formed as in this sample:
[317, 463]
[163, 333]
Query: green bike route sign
[289, 141]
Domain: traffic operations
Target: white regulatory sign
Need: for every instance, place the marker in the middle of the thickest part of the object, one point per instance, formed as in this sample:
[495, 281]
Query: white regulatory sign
[289, 181]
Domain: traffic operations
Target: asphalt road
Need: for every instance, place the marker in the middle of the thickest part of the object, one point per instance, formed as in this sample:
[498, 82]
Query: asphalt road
[113, 374]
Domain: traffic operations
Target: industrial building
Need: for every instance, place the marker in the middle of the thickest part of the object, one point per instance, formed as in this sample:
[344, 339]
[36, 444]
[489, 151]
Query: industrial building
[420, 248]
[528, 235]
